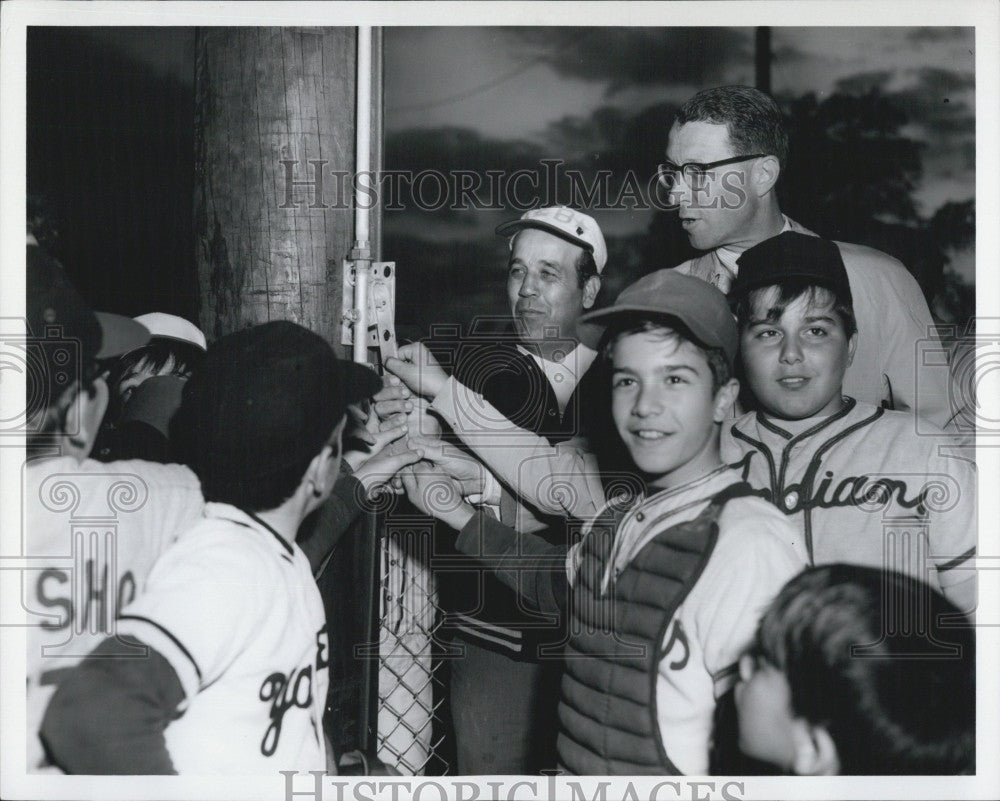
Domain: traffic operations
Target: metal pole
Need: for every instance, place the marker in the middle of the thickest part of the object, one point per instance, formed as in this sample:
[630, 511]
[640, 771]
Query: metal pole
[361, 254]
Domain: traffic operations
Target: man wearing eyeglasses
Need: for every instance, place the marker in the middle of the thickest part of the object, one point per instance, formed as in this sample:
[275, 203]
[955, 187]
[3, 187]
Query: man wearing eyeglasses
[725, 153]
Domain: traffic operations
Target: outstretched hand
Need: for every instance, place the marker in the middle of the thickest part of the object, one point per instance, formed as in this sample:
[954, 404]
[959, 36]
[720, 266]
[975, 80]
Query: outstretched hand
[417, 368]
[468, 472]
[437, 494]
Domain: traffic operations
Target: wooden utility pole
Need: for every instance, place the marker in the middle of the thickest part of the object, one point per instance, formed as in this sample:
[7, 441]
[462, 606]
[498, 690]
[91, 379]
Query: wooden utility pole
[274, 221]
[274, 125]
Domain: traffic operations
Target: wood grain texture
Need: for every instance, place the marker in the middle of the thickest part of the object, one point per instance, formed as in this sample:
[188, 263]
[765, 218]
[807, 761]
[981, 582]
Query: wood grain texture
[264, 96]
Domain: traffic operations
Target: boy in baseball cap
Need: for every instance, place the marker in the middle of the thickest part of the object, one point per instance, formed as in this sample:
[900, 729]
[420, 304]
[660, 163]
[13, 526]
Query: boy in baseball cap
[134, 430]
[133, 509]
[856, 479]
[664, 588]
[69, 346]
[231, 619]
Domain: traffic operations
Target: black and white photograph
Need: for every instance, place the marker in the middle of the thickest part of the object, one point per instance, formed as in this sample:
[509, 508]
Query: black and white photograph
[495, 400]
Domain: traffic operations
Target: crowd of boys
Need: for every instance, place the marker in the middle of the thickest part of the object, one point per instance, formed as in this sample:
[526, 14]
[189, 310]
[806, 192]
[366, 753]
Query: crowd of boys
[775, 580]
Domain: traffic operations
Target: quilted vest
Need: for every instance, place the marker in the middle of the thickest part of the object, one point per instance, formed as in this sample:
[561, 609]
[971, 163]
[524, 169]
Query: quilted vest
[607, 713]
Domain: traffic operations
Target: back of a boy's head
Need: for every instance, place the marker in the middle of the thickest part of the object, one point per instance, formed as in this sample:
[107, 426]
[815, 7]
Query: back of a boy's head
[797, 265]
[262, 405]
[883, 662]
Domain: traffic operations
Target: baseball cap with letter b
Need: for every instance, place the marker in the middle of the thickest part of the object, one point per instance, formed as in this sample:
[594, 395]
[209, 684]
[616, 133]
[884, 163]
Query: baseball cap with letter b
[569, 224]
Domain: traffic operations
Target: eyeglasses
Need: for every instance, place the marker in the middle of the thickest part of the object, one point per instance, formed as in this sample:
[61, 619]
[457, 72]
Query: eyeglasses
[695, 172]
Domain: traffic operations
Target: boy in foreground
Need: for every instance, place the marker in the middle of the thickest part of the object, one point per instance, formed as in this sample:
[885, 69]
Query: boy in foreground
[860, 671]
[234, 677]
[857, 480]
[664, 588]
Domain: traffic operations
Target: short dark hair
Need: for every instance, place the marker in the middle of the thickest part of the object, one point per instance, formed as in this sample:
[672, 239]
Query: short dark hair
[669, 328]
[586, 267]
[904, 704]
[156, 354]
[752, 118]
[791, 290]
[268, 490]
[253, 495]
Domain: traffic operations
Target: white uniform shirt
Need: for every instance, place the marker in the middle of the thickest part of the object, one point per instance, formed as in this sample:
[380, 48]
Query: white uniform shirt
[236, 612]
[863, 487]
[93, 531]
[756, 553]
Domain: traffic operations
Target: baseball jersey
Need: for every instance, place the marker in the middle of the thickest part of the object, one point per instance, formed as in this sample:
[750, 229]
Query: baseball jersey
[93, 531]
[756, 553]
[893, 324]
[862, 487]
[234, 609]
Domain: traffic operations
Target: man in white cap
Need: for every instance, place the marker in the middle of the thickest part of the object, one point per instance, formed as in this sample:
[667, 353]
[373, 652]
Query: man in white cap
[533, 382]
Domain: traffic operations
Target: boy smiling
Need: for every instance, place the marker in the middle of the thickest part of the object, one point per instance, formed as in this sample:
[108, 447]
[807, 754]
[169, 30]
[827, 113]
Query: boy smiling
[664, 588]
[857, 479]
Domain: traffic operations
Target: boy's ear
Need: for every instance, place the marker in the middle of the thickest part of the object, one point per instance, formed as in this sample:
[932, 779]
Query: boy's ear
[324, 469]
[725, 397]
[84, 411]
[852, 345]
[815, 751]
[590, 289]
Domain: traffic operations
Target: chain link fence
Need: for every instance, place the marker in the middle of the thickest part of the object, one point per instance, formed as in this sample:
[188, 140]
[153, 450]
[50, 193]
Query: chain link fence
[411, 688]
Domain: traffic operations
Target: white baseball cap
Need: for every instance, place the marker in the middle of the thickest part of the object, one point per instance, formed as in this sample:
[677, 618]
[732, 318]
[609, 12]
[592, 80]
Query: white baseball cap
[170, 326]
[569, 224]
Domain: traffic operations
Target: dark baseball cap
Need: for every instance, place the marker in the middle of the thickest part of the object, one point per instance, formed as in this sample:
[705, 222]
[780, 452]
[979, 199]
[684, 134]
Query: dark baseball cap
[791, 255]
[56, 313]
[699, 306]
[266, 399]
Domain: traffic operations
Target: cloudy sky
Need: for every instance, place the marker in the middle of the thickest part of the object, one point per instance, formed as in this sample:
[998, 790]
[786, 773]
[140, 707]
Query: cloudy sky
[550, 88]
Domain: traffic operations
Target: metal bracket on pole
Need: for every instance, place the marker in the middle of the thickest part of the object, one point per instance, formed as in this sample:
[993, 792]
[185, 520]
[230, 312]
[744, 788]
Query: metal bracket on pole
[381, 311]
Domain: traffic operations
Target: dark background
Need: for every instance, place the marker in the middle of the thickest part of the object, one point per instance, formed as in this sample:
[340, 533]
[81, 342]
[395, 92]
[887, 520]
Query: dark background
[110, 164]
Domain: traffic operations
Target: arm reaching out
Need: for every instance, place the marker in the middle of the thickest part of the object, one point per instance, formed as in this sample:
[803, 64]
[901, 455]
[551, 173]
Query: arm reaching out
[437, 494]
[559, 479]
[416, 366]
[473, 478]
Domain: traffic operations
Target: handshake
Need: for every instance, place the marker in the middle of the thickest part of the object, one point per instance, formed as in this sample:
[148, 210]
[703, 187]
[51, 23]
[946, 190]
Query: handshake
[395, 445]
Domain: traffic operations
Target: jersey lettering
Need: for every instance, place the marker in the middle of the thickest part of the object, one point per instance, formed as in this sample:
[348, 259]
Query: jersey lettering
[677, 635]
[295, 690]
[857, 491]
[284, 692]
[95, 597]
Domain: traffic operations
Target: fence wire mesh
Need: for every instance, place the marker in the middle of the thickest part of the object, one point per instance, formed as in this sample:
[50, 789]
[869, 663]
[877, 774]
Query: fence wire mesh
[411, 688]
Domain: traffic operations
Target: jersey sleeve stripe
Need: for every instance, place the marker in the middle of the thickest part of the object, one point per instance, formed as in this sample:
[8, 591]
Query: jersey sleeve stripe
[171, 637]
[957, 561]
[725, 678]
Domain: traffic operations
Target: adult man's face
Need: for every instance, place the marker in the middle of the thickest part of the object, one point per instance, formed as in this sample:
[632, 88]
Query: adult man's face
[719, 209]
[543, 287]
